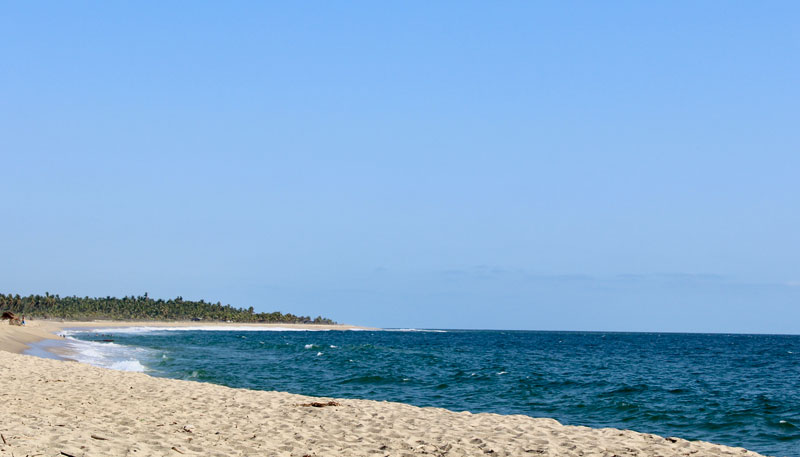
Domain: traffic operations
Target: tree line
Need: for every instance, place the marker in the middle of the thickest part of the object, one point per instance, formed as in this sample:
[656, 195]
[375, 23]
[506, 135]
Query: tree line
[141, 308]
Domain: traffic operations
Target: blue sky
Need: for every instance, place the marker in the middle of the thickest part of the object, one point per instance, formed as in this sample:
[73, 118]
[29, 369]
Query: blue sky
[580, 166]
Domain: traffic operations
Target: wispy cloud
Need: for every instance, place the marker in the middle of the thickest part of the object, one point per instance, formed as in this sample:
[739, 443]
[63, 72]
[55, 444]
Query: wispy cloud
[493, 272]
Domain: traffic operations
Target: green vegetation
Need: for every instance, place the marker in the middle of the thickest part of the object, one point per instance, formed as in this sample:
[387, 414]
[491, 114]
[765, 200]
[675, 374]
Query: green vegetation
[140, 308]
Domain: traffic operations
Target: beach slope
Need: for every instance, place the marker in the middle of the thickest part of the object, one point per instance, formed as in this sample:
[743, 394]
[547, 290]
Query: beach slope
[57, 408]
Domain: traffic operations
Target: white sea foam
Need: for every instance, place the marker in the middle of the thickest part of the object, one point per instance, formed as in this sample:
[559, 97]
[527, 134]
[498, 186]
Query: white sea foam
[107, 355]
[128, 365]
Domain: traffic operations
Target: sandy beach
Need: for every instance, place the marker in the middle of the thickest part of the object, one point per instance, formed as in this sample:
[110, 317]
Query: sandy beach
[57, 408]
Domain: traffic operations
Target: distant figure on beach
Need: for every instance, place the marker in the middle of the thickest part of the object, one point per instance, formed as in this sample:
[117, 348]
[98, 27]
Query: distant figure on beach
[23, 320]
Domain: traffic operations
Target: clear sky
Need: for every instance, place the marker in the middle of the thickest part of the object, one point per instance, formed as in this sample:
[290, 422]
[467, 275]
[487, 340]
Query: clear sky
[569, 165]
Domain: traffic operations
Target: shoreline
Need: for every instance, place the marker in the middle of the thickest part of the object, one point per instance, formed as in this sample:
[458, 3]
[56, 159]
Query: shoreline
[62, 406]
[53, 407]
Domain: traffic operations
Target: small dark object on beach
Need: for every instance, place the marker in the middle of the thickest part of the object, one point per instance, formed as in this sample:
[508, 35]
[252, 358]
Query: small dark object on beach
[98, 437]
[317, 404]
[4, 438]
[68, 455]
[12, 318]
[174, 448]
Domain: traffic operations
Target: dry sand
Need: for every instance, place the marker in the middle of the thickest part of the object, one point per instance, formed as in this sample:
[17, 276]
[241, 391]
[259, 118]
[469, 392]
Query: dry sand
[57, 408]
[17, 339]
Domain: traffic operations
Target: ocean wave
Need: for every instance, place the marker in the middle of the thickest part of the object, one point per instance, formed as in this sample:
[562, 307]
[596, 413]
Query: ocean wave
[128, 365]
[107, 355]
[788, 425]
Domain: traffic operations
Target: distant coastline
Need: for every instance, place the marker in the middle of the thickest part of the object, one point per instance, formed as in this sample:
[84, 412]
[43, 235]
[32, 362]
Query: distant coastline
[142, 307]
[19, 339]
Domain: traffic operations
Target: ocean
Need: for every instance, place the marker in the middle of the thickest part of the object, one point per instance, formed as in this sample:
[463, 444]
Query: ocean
[737, 390]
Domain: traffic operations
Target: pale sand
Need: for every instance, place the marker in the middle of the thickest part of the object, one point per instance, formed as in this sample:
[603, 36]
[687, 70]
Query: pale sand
[17, 339]
[52, 408]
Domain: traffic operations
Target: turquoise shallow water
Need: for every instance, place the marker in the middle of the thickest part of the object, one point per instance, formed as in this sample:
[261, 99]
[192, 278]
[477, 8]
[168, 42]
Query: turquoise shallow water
[739, 390]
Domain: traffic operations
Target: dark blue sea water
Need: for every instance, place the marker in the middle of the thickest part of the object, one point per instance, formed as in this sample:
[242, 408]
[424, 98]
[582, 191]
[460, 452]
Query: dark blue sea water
[739, 390]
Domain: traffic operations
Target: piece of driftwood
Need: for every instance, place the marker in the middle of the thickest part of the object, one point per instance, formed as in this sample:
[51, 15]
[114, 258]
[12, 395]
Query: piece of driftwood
[174, 448]
[316, 404]
[98, 437]
[4, 438]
